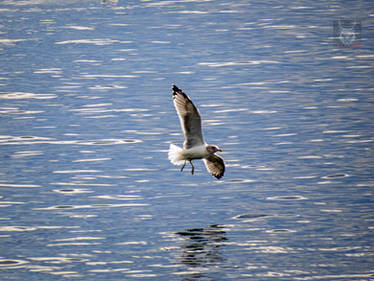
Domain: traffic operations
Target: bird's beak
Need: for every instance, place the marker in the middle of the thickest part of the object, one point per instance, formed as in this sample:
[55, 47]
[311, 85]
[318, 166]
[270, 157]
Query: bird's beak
[219, 149]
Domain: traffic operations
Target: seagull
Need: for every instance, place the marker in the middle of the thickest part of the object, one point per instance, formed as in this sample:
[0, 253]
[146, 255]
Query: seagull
[194, 146]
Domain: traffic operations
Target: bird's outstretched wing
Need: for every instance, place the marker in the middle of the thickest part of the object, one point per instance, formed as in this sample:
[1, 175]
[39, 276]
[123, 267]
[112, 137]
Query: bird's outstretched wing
[189, 118]
[215, 165]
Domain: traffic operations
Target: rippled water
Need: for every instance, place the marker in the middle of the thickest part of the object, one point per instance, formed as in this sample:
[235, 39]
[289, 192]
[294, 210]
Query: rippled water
[86, 190]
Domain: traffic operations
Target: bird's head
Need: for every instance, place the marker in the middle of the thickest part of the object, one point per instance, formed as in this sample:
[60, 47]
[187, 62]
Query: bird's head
[213, 149]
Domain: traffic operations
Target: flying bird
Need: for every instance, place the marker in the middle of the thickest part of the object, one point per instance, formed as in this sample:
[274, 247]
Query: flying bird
[194, 146]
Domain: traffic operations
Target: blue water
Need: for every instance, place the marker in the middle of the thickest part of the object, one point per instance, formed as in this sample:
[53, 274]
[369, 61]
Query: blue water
[86, 119]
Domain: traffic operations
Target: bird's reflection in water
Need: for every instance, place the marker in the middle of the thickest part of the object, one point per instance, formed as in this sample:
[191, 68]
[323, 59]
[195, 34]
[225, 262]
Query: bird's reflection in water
[201, 245]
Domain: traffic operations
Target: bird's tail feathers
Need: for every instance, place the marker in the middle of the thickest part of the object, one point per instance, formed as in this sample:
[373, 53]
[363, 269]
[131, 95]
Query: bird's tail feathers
[174, 155]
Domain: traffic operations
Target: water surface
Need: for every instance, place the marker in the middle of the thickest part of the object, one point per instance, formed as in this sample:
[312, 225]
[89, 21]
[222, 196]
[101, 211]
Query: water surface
[86, 190]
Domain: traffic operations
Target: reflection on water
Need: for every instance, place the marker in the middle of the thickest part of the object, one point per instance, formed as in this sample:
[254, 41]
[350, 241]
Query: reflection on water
[201, 245]
[86, 118]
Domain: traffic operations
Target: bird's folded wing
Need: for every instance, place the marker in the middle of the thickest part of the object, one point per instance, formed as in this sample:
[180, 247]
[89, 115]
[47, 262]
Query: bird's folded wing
[215, 165]
[189, 117]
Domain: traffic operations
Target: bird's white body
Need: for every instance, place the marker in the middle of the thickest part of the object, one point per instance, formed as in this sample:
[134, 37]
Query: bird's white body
[178, 155]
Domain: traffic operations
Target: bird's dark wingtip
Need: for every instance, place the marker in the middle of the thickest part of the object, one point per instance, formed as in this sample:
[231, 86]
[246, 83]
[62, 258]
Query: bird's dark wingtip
[218, 176]
[176, 89]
